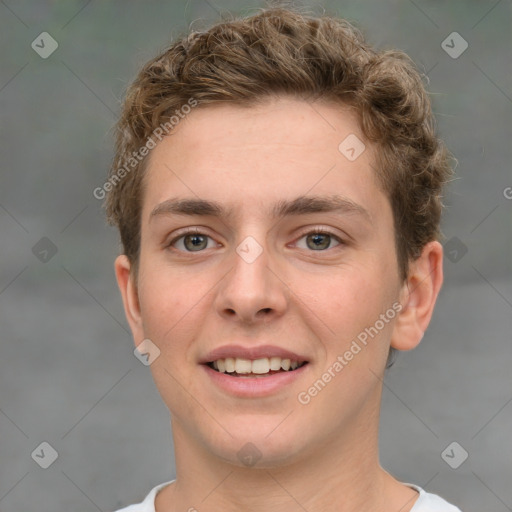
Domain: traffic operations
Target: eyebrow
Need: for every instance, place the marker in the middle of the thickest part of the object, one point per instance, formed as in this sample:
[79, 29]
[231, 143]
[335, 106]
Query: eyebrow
[299, 206]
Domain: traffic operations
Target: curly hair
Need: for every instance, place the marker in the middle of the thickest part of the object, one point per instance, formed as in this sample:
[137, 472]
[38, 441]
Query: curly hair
[280, 51]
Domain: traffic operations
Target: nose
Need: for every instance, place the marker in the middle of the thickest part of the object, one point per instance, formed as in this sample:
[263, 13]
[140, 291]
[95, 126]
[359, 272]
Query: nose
[252, 291]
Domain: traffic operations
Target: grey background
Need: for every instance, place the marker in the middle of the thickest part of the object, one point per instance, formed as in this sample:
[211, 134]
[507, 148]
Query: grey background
[68, 375]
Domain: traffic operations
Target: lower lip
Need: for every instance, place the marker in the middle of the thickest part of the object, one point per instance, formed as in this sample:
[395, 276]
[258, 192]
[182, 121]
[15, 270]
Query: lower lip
[254, 386]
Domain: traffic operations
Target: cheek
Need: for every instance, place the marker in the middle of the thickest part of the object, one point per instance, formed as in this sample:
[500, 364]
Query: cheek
[173, 308]
[348, 305]
[353, 295]
[163, 303]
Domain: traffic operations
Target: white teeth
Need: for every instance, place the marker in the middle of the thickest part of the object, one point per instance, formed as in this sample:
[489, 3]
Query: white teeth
[257, 366]
[242, 365]
[260, 365]
[275, 363]
[230, 364]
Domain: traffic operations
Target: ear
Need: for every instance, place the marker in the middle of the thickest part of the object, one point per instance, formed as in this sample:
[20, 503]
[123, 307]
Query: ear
[128, 288]
[418, 297]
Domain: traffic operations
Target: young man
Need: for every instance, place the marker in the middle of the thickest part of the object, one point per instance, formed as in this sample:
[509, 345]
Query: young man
[277, 188]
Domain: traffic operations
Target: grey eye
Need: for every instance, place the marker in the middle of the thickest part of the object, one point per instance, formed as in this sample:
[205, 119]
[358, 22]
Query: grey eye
[318, 241]
[191, 242]
[195, 242]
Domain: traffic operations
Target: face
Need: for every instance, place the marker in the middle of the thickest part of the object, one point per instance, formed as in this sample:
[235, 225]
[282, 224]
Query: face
[285, 250]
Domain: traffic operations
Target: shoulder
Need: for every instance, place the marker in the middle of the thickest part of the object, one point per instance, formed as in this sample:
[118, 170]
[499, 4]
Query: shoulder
[148, 504]
[431, 502]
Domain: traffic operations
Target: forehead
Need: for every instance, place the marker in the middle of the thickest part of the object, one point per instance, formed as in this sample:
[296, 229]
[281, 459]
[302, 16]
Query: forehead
[281, 121]
[281, 149]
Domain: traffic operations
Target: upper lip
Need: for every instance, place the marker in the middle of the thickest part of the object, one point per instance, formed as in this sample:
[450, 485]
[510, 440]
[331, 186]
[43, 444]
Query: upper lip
[259, 352]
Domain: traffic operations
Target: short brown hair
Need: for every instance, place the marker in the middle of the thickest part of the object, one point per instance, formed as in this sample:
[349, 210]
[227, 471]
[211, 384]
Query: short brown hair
[280, 51]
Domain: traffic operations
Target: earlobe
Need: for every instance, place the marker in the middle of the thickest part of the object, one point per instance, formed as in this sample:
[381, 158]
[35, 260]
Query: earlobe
[418, 297]
[129, 294]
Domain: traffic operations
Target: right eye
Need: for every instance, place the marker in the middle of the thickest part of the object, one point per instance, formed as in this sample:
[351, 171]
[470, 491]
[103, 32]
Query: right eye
[191, 241]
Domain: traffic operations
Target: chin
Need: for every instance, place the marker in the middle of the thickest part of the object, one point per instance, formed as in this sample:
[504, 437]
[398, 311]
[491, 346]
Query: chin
[258, 448]
[253, 456]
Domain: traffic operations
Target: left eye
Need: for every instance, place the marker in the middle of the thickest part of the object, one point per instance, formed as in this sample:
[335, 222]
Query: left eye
[192, 242]
[319, 240]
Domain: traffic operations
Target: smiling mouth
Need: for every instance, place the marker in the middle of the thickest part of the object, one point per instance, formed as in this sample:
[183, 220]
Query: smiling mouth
[238, 367]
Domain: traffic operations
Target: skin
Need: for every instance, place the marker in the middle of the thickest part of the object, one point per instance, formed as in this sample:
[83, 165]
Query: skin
[322, 455]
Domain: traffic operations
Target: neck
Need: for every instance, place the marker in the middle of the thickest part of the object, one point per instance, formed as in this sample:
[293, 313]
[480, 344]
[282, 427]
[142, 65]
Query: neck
[340, 473]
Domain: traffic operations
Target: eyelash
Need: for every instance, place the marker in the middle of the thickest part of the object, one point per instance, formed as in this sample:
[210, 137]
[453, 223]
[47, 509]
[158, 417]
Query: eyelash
[315, 231]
